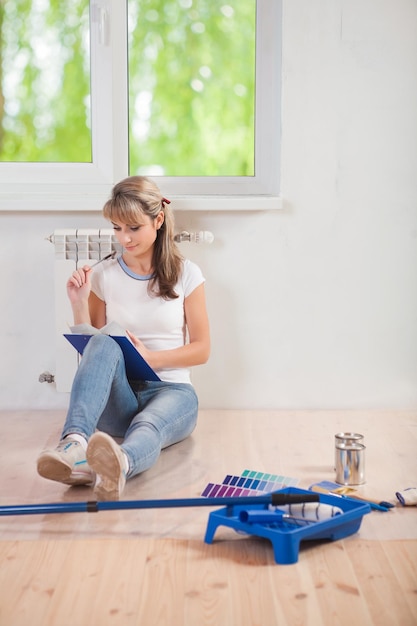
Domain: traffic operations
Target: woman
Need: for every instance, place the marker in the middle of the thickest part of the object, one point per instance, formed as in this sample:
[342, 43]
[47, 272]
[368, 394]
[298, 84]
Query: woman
[158, 297]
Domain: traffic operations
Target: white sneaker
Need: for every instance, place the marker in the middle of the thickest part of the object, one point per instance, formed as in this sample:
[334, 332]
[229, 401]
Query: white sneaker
[66, 464]
[107, 460]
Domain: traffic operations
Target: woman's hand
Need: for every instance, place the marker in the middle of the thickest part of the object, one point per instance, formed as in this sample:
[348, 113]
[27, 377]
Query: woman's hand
[79, 285]
[147, 354]
[196, 351]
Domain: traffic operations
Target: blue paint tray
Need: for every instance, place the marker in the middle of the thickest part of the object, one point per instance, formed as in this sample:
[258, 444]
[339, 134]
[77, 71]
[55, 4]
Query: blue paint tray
[285, 536]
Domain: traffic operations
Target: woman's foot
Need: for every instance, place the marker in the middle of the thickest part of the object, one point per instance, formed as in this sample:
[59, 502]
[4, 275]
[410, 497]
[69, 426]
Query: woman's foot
[67, 464]
[108, 461]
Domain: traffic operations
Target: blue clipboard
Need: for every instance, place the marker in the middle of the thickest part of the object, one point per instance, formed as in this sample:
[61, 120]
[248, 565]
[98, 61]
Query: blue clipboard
[136, 366]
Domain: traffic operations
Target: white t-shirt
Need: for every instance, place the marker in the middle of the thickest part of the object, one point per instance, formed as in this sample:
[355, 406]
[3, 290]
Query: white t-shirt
[158, 323]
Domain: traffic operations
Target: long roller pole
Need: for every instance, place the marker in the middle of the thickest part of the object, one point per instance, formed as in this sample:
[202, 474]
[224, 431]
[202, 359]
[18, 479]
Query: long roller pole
[276, 499]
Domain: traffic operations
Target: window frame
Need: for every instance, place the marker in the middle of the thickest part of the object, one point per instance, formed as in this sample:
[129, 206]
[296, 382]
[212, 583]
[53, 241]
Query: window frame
[86, 186]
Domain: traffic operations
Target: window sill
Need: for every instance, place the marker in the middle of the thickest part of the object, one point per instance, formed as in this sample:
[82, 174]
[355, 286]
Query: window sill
[76, 202]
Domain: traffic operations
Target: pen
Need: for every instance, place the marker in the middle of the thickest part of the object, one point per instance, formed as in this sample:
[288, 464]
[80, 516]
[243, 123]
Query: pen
[105, 258]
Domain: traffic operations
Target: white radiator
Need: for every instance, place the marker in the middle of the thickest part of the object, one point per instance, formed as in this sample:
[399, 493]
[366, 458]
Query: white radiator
[73, 248]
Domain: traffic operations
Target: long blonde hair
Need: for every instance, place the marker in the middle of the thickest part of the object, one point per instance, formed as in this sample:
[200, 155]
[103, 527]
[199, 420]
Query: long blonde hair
[133, 198]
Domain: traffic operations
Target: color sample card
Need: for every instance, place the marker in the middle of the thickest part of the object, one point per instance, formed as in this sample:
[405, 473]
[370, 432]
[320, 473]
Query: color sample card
[249, 483]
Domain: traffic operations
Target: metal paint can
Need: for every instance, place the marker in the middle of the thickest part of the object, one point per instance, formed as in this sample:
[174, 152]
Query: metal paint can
[350, 463]
[346, 437]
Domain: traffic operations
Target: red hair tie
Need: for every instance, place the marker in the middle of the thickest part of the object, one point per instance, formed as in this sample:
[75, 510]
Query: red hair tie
[165, 200]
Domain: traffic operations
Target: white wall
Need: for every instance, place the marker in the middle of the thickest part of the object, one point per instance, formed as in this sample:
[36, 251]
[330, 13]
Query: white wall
[311, 307]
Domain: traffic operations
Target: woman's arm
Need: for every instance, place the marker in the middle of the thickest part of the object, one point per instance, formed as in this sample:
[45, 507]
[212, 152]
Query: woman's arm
[97, 310]
[195, 352]
[87, 308]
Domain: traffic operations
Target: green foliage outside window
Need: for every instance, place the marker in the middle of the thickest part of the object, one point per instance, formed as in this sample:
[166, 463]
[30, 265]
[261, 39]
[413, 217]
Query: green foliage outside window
[192, 75]
[191, 85]
[44, 81]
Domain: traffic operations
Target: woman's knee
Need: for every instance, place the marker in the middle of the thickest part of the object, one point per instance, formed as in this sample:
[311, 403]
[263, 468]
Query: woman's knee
[103, 346]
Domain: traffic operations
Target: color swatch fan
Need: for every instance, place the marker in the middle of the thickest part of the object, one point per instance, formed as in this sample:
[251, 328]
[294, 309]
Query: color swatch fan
[249, 483]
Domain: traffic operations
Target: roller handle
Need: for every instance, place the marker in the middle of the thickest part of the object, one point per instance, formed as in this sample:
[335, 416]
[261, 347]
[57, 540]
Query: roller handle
[279, 499]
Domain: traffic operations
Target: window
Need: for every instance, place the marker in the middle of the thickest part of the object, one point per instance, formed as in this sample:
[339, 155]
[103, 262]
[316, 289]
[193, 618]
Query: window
[193, 118]
[164, 88]
[45, 53]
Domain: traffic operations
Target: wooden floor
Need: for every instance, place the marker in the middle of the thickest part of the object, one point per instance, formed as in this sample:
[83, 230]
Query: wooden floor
[146, 567]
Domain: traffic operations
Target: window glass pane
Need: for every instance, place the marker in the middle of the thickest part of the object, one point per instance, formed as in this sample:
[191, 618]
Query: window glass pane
[45, 81]
[191, 87]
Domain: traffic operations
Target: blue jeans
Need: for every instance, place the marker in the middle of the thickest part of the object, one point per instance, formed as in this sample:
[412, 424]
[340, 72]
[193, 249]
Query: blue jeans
[149, 416]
